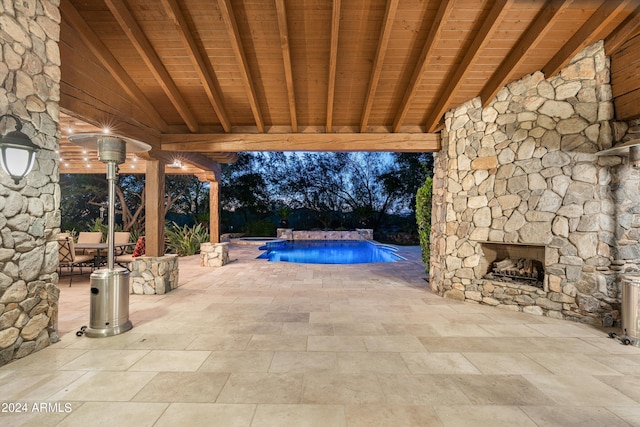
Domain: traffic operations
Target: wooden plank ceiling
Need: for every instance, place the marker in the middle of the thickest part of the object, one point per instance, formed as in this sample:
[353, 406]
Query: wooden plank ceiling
[216, 77]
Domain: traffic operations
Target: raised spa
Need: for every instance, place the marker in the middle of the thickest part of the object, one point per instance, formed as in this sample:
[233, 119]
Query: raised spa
[329, 252]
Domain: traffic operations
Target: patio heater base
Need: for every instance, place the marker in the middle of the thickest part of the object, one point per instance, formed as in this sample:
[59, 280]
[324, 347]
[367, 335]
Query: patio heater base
[108, 332]
[109, 303]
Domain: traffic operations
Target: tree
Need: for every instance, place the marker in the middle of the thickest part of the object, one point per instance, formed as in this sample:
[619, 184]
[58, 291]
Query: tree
[80, 199]
[311, 181]
[130, 196]
[83, 195]
[338, 189]
[243, 190]
[409, 172]
[187, 196]
[353, 189]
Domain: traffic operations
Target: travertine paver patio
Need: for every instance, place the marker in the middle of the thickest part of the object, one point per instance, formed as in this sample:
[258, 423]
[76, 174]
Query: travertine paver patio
[275, 344]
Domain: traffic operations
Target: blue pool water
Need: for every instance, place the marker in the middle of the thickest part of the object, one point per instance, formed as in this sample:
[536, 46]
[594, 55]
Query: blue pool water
[329, 252]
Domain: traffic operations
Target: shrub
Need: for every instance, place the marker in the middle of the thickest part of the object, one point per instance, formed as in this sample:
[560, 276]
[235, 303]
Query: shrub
[185, 240]
[99, 226]
[135, 233]
[423, 219]
[261, 228]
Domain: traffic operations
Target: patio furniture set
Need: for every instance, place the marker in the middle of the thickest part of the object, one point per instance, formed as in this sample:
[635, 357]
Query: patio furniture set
[90, 251]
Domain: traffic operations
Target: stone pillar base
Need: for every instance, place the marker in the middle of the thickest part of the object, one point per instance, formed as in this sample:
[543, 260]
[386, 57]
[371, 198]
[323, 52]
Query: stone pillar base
[154, 275]
[214, 254]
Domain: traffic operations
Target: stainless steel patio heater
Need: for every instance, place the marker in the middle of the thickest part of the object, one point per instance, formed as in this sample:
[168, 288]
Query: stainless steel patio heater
[109, 300]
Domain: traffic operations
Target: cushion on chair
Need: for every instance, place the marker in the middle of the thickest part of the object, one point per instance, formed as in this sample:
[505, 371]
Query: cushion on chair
[139, 249]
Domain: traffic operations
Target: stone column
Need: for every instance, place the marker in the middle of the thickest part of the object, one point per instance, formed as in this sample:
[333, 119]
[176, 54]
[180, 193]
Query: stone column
[29, 210]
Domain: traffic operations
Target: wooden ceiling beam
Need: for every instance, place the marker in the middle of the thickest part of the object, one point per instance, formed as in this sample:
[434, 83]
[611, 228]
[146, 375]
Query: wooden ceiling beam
[125, 169]
[108, 61]
[214, 175]
[471, 56]
[200, 161]
[333, 62]
[627, 30]
[585, 35]
[283, 29]
[236, 44]
[209, 83]
[442, 16]
[137, 37]
[376, 71]
[390, 142]
[197, 160]
[518, 54]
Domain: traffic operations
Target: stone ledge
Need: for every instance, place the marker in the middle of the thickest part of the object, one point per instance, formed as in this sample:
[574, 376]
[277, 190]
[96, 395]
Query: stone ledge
[293, 235]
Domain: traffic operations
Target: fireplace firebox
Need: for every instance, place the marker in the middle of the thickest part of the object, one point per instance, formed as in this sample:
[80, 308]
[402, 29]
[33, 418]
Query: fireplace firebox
[514, 263]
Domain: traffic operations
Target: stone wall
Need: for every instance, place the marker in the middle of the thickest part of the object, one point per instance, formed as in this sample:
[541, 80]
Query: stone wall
[293, 235]
[154, 275]
[523, 170]
[29, 210]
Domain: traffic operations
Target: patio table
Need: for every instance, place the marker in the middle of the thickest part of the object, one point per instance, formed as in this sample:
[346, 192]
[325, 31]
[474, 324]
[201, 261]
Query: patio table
[101, 249]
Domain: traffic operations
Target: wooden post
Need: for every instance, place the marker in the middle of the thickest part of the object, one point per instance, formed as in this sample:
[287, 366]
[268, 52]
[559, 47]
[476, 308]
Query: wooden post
[214, 211]
[154, 208]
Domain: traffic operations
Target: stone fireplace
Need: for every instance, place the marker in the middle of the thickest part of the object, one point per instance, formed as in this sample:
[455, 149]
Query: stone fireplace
[520, 178]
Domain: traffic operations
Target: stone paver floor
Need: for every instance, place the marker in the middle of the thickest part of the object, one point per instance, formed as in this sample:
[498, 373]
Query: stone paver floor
[275, 344]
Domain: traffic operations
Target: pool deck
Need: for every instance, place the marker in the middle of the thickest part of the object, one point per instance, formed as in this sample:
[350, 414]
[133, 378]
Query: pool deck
[255, 343]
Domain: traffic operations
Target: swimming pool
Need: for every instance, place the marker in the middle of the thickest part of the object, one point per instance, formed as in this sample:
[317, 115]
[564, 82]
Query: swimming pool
[329, 252]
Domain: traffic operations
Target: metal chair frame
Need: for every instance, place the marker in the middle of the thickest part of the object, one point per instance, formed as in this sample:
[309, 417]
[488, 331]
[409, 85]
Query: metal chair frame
[67, 257]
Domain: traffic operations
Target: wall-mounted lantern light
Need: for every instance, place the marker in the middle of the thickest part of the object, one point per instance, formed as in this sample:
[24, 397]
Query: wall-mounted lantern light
[17, 152]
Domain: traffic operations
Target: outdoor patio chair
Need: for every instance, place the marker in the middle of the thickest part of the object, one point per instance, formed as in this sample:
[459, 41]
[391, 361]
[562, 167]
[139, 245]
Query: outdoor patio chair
[88, 237]
[67, 257]
[121, 237]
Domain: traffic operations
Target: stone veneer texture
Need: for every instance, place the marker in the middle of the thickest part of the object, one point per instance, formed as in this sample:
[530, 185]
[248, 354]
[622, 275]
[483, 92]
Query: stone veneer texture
[29, 211]
[154, 275]
[214, 254]
[523, 170]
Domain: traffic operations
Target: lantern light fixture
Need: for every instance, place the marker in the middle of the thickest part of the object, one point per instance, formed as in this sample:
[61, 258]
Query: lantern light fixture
[17, 152]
